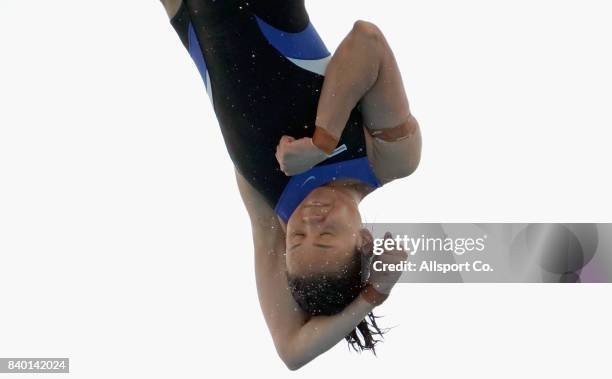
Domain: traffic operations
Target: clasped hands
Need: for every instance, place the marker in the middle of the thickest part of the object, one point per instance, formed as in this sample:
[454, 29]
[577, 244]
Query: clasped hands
[298, 156]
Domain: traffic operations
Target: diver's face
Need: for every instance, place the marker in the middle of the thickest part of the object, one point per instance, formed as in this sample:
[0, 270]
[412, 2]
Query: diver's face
[323, 232]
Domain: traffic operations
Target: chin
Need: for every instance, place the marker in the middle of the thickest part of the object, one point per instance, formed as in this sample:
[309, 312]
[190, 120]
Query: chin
[321, 195]
[330, 205]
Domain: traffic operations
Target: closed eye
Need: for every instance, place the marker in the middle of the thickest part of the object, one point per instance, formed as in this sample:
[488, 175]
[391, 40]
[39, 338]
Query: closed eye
[296, 238]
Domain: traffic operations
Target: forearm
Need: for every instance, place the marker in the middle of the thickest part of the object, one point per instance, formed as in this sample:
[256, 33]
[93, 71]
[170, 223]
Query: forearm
[321, 333]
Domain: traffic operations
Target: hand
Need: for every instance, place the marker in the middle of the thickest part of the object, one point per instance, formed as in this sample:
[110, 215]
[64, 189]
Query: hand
[383, 281]
[298, 156]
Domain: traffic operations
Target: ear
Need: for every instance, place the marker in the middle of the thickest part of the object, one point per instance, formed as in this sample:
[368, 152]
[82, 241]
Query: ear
[366, 244]
[365, 248]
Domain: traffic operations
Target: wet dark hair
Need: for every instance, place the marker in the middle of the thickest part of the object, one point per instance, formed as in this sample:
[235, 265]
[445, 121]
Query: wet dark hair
[327, 294]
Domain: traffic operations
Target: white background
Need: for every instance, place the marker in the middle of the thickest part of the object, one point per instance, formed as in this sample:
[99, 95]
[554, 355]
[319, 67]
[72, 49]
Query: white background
[124, 244]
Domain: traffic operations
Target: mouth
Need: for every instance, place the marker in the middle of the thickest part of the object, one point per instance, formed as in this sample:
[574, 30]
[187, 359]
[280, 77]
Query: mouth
[317, 204]
[316, 211]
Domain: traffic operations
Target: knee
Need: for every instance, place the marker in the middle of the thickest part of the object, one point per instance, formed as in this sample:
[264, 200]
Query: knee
[366, 30]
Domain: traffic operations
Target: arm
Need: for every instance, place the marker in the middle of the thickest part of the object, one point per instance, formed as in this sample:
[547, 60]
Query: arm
[171, 6]
[362, 71]
[298, 338]
[393, 153]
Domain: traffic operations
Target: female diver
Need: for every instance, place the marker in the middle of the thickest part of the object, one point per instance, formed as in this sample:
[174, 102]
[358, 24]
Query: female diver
[310, 136]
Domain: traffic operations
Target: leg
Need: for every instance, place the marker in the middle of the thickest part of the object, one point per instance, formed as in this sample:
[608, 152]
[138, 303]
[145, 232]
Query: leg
[363, 69]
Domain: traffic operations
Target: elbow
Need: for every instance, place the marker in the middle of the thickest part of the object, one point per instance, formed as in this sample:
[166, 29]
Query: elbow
[293, 366]
[291, 360]
[292, 363]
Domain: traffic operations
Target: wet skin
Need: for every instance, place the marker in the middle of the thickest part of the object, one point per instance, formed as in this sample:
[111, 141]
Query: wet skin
[324, 231]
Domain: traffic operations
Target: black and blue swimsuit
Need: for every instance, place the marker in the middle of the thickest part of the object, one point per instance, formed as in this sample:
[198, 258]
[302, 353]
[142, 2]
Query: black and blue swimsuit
[262, 63]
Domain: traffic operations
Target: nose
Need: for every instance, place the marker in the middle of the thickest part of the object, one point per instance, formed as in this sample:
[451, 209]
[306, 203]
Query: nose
[314, 215]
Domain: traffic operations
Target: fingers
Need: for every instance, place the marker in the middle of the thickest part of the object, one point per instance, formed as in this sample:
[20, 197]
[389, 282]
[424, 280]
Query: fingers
[283, 141]
[280, 151]
[384, 279]
[395, 252]
[296, 156]
[286, 139]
